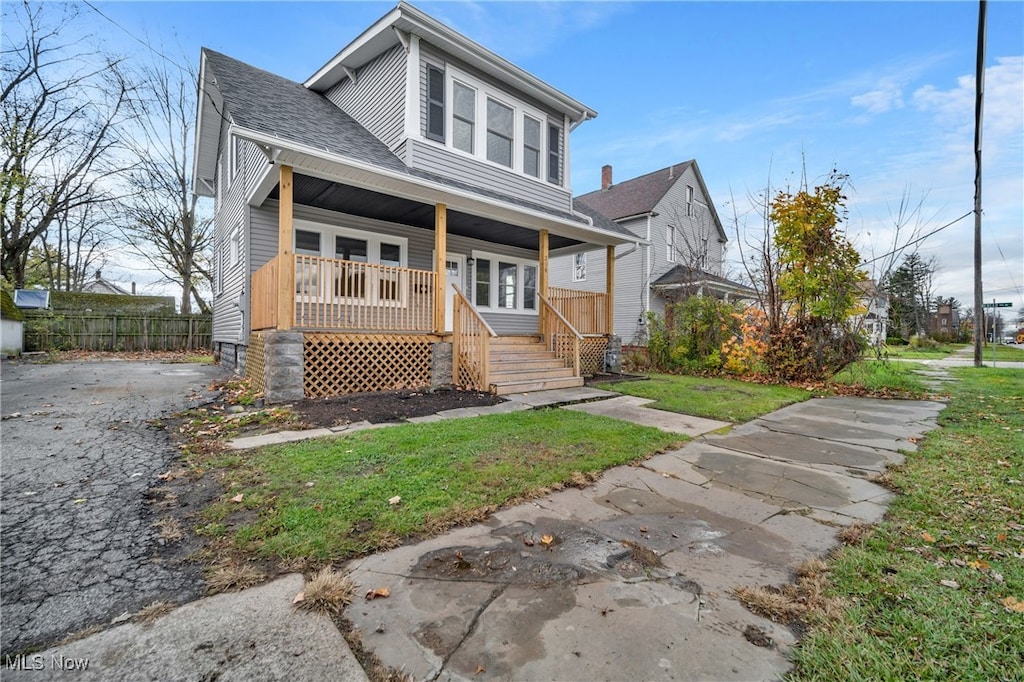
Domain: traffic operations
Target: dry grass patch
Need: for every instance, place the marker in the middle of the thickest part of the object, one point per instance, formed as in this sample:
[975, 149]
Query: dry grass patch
[643, 556]
[796, 604]
[231, 577]
[855, 534]
[148, 615]
[169, 529]
[327, 593]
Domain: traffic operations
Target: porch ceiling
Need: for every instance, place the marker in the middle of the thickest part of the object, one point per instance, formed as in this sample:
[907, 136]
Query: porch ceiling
[334, 196]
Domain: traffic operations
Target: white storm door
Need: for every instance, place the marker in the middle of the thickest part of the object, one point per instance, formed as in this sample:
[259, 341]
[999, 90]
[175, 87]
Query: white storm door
[454, 273]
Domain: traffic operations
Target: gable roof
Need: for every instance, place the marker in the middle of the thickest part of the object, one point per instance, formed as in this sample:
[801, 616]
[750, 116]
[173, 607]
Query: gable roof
[396, 26]
[642, 194]
[637, 196]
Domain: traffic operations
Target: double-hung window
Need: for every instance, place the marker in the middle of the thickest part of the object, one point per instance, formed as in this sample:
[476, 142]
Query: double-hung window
[670, 244]
[500, 131]
[689, 200]
[472, 117]
[463, 117]
[579, 267]
[365, 266]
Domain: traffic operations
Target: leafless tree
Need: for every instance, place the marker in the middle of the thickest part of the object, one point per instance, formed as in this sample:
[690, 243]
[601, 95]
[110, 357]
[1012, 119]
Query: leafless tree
[61, 110]
[75, 250]
[162, 219]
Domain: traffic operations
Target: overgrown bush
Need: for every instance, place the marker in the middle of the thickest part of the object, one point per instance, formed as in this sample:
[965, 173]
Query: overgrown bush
[691, 335]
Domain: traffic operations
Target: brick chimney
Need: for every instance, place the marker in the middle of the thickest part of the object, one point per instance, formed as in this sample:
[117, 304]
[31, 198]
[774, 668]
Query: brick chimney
[606, 177]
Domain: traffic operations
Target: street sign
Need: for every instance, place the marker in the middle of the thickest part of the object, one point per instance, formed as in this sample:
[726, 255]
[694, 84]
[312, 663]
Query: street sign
[1004, 304]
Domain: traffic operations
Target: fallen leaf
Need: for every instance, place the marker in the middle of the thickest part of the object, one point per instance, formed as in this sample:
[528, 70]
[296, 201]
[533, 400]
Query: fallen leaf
[238, 497]
[979, 565]
[1013, 605]
[394, 500]
[479, 669]
[301, 596]
[950, 583]
[80, 500]
[1001, 537]
[528, 541]
[546, 540]
[643, 529]
[379, 593]
[928, 537]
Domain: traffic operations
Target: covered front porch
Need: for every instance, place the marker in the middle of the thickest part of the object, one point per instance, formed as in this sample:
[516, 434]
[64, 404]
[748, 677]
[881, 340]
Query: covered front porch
[366, 326]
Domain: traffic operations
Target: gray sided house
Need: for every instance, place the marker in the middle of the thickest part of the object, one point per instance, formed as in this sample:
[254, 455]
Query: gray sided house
[389, 222]
[677, 250]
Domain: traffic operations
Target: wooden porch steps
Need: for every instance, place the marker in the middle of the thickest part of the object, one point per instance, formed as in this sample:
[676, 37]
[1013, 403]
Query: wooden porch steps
[521, 363]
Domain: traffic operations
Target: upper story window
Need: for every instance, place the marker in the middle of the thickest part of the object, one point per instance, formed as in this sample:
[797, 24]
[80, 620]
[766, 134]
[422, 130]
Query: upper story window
[435, 103]
[689, 200]
[474, 118]
[670, 244]
[463, 117]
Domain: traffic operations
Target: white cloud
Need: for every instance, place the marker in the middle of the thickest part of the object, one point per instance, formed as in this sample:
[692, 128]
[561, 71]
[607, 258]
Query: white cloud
[887, 96]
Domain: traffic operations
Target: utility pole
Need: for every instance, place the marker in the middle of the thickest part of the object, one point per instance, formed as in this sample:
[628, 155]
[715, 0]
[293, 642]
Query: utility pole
[979, 98]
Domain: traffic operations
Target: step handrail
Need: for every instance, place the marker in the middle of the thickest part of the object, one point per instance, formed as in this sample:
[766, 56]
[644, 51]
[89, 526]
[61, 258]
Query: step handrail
[471, 348]
[577, 338]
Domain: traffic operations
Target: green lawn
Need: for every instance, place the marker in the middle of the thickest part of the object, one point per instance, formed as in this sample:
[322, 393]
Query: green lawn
[918, 353]
[722, 399]
[936, 591]
[883, 377]
[1003, 353]
[328, 499]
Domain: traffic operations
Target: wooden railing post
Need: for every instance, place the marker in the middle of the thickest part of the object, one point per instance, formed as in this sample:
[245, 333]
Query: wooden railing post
[543, 262]
[440, 256]
[286, 266]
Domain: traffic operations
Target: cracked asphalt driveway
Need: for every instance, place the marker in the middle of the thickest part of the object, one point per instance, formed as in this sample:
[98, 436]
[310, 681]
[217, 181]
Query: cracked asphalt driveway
[76, 536]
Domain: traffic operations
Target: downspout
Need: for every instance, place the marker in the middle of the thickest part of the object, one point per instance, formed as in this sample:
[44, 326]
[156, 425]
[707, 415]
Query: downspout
[649, 267]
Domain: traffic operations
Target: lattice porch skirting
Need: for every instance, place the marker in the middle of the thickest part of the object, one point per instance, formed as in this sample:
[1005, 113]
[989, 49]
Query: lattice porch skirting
[255, 361]
[592, 350]
[335, 364]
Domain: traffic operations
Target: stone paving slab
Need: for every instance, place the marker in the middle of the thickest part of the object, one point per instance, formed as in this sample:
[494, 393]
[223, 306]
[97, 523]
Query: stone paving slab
[255, 634]
[632, 409]
[559, 396]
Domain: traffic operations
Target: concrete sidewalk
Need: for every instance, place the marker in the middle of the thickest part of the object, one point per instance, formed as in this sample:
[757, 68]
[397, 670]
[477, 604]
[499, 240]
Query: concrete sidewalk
[627, 579]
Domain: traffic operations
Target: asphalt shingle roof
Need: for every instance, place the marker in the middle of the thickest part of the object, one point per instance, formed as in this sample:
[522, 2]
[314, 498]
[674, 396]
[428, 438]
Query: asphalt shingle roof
[684, 274]
[636, 196]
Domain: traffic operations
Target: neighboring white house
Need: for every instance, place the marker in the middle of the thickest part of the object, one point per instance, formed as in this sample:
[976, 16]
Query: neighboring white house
[382, 223]
[875, 319]
[678, 248]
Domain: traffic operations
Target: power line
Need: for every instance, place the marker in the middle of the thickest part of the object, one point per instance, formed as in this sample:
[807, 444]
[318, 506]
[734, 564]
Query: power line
[144, 43]
[919, 239]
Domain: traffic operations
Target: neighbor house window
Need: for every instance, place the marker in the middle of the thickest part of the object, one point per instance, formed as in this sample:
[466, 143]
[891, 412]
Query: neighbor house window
[464, 117]
[670, 244]
[531, 146]
[435, 103]
[500, 124]
[579, 267]
[483, 283]
[689, 200]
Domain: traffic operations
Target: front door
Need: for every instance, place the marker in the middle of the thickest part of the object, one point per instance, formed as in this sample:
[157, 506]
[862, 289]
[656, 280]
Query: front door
[454, 273]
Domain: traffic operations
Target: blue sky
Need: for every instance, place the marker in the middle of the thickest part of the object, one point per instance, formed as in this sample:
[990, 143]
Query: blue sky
[883, 91]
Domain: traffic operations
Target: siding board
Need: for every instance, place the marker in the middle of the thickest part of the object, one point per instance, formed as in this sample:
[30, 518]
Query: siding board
[377, 99]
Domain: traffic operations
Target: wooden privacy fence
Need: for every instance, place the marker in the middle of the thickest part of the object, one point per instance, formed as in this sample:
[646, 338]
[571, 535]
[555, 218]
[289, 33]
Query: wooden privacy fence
[46, 331]
[586, 311]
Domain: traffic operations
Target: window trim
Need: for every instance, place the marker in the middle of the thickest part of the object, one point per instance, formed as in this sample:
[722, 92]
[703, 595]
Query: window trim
[670, 244]
[436, 102]
[689, 200]
[576, 267]
[235, 246]
[520, 110]
[494, 285]
[325, 291]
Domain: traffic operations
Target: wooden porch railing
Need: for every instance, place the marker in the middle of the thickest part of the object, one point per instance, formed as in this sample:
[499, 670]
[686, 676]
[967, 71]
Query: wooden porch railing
[263, 296]
[471, 345]
[586, 311]
[340, 295]
[560, 335]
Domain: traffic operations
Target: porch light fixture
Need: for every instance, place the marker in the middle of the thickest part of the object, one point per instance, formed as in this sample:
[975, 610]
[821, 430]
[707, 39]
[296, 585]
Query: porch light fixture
[470, 261]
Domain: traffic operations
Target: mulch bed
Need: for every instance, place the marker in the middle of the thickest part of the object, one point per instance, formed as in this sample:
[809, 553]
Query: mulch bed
[386, 406]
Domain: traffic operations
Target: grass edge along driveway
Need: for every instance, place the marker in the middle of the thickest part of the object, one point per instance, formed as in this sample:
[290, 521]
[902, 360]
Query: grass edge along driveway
[331, 499]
